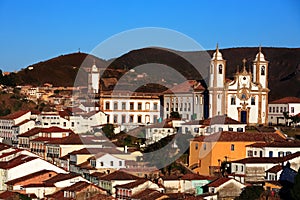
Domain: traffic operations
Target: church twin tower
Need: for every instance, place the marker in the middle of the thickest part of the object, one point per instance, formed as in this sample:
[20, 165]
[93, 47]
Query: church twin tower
[245, 98]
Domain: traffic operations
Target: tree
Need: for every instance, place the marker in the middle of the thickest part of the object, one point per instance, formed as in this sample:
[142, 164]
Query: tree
[108, 130]
[286, 117]
[295, 119]
[175, 115]
[251, 192]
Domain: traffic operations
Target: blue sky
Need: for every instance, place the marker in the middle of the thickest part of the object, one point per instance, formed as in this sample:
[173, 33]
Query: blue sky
[34, 30]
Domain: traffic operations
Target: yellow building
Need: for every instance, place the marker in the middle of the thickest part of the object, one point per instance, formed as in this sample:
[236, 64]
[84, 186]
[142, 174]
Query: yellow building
[207, 152]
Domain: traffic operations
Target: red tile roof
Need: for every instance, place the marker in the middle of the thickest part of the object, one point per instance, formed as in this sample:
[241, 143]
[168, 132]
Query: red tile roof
[14, 115]
[4, 146]
[8, 195]
[16, 161]
[218, 182]
[78, 139]
[221, 119]
[11, 153]
[60, 177]
[52, 129]
[44, 139]
[268, 159]
[94, 151]
[230, 136]
[292, 143]
[119, 175]
[29, 176]
[23, 122]
[186, 87]
[286, 100]
[275, 169]
[132, 184]
[148, 194]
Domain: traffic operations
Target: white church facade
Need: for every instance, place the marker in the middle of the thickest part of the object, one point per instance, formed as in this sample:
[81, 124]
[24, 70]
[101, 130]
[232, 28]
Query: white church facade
[245, 98]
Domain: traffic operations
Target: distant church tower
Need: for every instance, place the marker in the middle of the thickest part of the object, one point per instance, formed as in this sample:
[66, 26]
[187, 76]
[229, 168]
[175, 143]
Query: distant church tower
[94, 79]
[216, 84]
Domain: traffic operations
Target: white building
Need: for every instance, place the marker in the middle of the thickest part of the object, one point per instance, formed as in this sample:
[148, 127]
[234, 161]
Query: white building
[186, 99]
[131, 109]
[245, 98]
[279, 106]
[14, 124]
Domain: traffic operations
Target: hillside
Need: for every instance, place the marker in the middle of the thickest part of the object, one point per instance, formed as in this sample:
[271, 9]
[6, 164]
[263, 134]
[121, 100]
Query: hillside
[284, 67]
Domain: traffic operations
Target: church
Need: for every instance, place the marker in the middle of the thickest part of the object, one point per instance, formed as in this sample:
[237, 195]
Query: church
[245, 98]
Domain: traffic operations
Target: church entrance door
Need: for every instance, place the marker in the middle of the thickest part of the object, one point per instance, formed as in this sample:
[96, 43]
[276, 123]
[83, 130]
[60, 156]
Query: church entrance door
[244, 117]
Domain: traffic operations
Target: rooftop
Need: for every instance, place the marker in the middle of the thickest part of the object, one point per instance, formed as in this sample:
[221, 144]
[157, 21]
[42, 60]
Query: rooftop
[186, 87]
[218, 182]
[286, 100]
[132, 184]
[14, 115]
[29, 176]
[16, 161]
[119, 175]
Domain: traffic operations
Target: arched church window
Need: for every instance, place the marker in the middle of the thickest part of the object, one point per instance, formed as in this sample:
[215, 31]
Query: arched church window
[233, 100]
[263, 70]
[243, 96]
[220, 69]
[252, 100]
[211, 68]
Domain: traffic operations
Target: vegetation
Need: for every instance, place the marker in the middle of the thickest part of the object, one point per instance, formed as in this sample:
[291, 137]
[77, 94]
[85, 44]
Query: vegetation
[251, 193]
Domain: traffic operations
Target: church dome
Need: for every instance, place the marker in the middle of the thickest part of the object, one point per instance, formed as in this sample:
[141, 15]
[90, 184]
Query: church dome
[259, 56]
[217, 55]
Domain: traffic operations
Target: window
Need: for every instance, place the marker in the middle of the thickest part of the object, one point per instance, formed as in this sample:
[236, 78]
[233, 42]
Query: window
[284, 109]
[292, 109]
[147, 106]
[236, 168]
[93, 163]
[252, 100]
[123, 118]
[139, 106]
[277, 109]
[72, 124]
[220, 129]
[139, 118]
[189, 108]
[167, 107]
[154, 118]
[120, 163]
[250, 153]
[270, 154]
[131, 117]
[243, 96]
[107, 105]
[211, 68]
[65, 124]
[263, 70]
[101, 164]
[185, 106]
[270, 109]
[242, 168]
[220, 69]
[155, 106]
[232, 147]
[123, 106]
[232, 100]
[204, 146]
[115, 105]
[131, 106]
[281, 109]
[240, 129]
[288, 153]
[230, 129]
[273, 109]
[115, 118]
[111, 163]
[196, 146]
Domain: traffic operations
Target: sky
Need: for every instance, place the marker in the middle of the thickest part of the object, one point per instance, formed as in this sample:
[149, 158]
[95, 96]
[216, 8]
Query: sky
[32, 31]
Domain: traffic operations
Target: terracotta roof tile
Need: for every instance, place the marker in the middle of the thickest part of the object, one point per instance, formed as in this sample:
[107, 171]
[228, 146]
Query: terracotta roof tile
[218, 182]
[132, 184]
[292, 143]
[8, 195]
[286, 100]
[119, 175]
[21, 123]
[60, 177]
[275, 169]
[196, 177]
[16, 161]
[185, 87]
[147, 194]
[268, 159]
[4, 146]
[29, 176]
[230, 136]
[78, 139]
[14, 115]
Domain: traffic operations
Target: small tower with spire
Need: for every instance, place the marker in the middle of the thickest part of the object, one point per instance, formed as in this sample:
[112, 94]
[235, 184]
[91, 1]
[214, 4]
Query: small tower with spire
[260, 69]
[216, 84]
[94, 79]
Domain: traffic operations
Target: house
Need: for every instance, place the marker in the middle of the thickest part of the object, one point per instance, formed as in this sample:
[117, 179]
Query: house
[291, 105]
[149, 194]
[207, 152]
[14, 124]
[273, 148]
[187, 99]
[126, 191]
[73, 142]
[193, 183]
[225, 188]
[89, 106]
[130, 109]
[212, 125]
[23, 165]
[109, 181]
[155, 132]
[259, 169]
[79, 190]
[245, 98]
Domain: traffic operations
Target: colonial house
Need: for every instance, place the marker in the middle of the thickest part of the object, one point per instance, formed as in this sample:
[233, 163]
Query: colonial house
[291, 105]
[207, 152]
[130, 109]
[212, 125]
[14, 124]
[187, 99]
